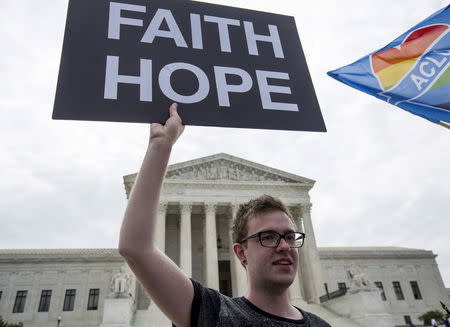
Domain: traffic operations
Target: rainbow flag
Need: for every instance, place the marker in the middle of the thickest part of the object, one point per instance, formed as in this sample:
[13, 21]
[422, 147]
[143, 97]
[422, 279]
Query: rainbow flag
[412, 72]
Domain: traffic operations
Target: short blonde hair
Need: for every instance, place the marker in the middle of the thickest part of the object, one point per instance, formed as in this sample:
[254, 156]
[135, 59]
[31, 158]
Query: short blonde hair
[263, 203]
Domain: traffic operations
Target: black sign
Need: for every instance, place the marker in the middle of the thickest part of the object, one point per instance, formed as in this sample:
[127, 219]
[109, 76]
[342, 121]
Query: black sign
[129, 60]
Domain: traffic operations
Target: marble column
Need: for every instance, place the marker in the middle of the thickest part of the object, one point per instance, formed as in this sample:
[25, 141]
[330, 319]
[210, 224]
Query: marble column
[238, 273]
[210, 237]
[82, 290]
[35, 292]
[310, 269]
[185, 238]
[295, 292]
[160, 231]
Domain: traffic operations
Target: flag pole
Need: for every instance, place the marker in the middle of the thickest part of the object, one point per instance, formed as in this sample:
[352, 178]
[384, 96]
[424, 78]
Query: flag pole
[442, 123]
[445, 307]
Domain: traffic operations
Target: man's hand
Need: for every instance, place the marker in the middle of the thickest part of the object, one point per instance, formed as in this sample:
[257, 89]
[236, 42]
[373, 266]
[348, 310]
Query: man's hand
[168, 133]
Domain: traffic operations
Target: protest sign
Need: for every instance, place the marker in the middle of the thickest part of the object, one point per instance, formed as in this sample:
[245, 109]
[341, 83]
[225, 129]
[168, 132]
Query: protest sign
[128, 60]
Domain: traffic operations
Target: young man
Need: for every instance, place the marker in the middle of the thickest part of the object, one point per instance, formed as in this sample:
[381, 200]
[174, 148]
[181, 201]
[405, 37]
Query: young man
[266, 244]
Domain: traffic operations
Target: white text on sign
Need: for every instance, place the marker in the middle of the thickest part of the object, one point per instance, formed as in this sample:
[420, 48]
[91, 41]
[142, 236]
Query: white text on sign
[154, 30]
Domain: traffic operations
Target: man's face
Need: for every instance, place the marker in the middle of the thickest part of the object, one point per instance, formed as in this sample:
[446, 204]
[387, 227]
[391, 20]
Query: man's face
[271, 267]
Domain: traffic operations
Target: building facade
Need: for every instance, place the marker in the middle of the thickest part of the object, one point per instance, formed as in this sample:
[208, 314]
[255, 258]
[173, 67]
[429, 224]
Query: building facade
[409, 280]
[94, 287]
[38, 286]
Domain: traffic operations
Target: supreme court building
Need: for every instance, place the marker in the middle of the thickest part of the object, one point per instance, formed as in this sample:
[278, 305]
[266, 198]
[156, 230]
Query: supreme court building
[347, 286]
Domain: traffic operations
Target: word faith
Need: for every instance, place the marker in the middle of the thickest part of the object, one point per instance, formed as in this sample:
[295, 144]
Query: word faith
[173, 31]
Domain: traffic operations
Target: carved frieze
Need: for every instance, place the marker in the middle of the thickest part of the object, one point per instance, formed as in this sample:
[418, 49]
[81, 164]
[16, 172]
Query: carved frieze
[4, 276]
[223, 169]
[73, 276]
[49, 277]
[26, 276]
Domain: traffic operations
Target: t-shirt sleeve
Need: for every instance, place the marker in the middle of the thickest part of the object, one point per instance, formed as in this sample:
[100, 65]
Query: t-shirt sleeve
[205, 306]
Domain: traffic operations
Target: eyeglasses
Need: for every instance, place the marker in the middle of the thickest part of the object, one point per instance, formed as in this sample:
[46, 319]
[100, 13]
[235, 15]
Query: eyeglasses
[271, 239]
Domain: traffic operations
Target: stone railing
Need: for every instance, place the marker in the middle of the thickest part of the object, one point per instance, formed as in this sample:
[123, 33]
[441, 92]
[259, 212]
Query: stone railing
[340, 292]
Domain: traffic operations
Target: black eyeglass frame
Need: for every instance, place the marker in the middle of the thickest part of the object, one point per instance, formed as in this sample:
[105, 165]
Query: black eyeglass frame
[258, 235]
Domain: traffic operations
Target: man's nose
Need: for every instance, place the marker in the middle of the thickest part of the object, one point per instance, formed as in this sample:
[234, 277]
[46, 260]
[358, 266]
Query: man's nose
[283, 245]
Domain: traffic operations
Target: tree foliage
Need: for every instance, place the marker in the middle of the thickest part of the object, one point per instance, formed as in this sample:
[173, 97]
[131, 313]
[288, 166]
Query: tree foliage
[427, 316]
[5, 324]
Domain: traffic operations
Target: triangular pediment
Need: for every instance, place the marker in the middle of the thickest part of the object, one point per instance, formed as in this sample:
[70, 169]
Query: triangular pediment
[225, 167]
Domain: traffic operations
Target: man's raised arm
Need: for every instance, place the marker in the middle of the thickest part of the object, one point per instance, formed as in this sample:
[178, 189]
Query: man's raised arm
[166, 284]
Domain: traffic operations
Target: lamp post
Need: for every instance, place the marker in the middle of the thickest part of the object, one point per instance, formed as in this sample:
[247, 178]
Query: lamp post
[59, 321]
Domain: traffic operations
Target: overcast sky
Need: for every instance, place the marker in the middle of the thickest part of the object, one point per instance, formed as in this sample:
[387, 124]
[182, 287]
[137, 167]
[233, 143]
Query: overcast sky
[382, 174]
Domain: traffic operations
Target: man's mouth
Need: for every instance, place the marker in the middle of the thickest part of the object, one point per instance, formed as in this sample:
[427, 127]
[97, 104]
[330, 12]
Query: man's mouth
[283, 262]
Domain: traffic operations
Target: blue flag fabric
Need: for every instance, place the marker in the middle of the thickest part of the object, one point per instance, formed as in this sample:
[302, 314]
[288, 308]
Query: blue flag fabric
[412, 72]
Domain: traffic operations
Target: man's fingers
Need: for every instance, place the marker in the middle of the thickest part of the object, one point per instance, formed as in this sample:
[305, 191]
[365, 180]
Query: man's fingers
[173, 110]
[155, 126]
[174, 119]
[171, 130]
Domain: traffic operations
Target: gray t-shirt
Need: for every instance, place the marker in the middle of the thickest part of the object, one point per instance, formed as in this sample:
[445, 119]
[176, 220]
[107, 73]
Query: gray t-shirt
[213, 309]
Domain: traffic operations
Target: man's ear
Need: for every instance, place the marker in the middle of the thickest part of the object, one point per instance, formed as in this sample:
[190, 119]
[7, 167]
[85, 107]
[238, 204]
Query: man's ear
[239, 251]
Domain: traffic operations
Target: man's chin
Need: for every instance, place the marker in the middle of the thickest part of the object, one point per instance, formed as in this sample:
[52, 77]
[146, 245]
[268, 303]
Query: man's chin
[284, 271]
[283, 281]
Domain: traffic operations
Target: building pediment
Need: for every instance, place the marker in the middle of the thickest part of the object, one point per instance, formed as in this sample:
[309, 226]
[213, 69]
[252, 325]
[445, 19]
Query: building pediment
[224, 167]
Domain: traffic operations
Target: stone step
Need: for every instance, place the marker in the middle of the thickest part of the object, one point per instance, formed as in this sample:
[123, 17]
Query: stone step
[333, 318]
[149, 318]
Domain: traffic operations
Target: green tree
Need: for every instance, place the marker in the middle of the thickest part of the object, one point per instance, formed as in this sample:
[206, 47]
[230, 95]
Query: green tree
[427, 316]
[5, 324]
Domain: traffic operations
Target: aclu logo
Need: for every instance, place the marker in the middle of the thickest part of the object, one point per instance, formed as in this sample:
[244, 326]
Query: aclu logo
[409, 69]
